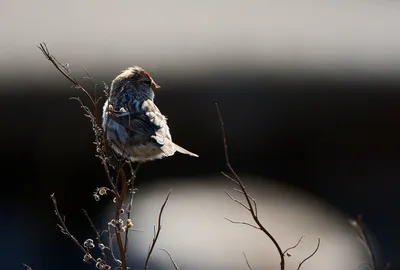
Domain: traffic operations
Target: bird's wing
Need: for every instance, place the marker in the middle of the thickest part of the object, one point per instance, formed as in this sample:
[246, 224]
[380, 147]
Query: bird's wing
[148, 121]
[163, 136]
[145, 120]
[158, 119]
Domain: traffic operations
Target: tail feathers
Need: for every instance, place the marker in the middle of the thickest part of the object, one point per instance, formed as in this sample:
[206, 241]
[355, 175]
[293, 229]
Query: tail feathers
[169, 148]
[184, 151]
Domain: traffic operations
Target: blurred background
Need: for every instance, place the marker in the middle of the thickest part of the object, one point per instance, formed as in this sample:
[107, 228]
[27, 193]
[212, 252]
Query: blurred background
[309, 91]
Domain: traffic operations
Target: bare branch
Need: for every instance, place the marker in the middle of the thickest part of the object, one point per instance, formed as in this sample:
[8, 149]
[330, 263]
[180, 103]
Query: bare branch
[157, 233]
[312, 254]
[236, 180]
[170, 257]
[242, 223]
[247, 261]
[64, 228]
[295, 246]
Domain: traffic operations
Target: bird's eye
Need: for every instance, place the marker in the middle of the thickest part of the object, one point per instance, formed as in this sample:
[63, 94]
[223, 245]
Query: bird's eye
[147, 82]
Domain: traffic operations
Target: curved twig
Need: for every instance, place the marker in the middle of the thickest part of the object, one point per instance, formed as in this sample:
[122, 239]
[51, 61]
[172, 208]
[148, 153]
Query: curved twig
[247, 261]
[312, 254]
[156, 233]
[170, 257]
[295, 246]
[242, 223]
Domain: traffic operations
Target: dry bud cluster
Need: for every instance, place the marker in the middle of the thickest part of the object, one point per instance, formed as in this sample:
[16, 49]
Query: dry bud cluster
[89, 244]
[100, 192]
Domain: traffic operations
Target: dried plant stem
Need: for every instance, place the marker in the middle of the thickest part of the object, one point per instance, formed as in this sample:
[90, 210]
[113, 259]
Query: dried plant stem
[156, 233]
[100, 139]
[364, 236]
[64, 228]
[64, 70]
[102, 149]
[96, 231]
[312, 254]
[247, 261]
[170, 257]
[27, 266]
[295, 246]
[251, 205]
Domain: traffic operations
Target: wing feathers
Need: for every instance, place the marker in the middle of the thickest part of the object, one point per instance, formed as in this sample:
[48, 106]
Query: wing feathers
[151, 123]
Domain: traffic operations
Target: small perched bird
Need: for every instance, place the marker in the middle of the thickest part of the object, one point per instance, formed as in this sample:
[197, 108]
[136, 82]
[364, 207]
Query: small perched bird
[133, 124]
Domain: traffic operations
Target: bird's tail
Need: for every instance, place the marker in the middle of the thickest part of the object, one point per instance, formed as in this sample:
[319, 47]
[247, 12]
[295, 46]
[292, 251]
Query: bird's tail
[184, 151]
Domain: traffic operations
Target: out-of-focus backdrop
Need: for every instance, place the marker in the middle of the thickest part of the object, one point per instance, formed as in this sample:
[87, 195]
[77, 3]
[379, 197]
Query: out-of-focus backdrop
[309, 91]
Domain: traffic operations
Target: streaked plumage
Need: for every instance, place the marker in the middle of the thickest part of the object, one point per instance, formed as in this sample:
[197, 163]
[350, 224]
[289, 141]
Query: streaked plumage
[135, 126]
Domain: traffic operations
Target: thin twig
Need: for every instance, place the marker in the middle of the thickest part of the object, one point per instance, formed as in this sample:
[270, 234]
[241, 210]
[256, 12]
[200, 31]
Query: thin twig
[247, 261]
[236, 180]
[96, 231]
[64, 228]
[230, 178]
[156, 233]
[99, 141]
[312, 254]
[242, 223]
[251, 198]
[358, 225]
[94, 84]
[27, 266]
[364, 236]
[236, 200]
[295, 246]
[64, 71]
[170, 257]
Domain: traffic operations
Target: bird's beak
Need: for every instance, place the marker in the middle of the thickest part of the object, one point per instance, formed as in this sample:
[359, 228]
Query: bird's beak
[154, 86]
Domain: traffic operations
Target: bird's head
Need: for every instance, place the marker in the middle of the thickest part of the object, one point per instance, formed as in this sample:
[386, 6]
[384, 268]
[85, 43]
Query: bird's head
[136, 77]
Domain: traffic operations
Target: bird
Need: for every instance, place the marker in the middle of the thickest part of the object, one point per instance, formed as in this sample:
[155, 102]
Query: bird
[133, 124]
